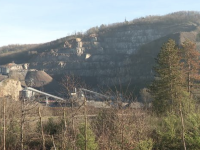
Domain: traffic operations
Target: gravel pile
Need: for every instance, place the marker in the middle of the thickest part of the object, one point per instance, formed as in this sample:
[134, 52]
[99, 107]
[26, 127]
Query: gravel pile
[37, 78]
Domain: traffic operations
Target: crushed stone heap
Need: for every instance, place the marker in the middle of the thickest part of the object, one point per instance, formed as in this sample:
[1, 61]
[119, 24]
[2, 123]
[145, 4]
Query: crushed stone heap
[37, 78]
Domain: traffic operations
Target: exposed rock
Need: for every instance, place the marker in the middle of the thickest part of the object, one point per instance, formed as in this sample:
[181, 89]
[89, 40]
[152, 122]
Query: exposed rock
[108, 56]
[115, 54]
[10, 87]
[18, 75]
[3, 77]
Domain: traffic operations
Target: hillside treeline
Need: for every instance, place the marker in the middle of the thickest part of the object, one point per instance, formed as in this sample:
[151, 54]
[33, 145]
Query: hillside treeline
[16, 47]
[175, 18]
[182, 17]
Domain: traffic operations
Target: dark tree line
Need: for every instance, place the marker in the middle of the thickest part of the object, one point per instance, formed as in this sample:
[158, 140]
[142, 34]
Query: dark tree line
[177, 75]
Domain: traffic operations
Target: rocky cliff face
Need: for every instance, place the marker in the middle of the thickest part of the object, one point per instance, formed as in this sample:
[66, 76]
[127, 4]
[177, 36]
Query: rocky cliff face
[106, 56]
[10, 87]
[128, 38]
[115, 54]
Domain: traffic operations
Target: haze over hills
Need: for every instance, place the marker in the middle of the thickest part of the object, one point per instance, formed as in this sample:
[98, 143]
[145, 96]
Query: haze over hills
[119, 53]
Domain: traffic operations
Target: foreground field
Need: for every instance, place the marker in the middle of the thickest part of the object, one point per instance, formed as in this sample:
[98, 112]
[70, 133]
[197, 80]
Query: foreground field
[32, 126]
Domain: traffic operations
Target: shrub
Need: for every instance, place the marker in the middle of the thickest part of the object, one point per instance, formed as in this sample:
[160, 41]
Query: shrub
[51, 127]
[91, 143]
[168, 132]
[145, 145]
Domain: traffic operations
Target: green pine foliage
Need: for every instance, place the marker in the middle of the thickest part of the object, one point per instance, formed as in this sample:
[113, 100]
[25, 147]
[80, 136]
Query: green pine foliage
[177, 71]
[91, 142]
[193, 131]
[167, 89]
[145, 145]
[168, 132]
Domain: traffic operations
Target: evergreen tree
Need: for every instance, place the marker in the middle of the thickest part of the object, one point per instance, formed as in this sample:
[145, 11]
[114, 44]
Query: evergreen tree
[167, 88]
[91, 143]
[191, 63]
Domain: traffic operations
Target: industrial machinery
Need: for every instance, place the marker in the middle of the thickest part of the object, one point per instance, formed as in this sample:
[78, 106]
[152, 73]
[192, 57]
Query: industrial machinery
[29, 93]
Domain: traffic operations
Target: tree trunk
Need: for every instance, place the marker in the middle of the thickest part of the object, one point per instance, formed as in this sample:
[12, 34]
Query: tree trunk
[4, 124]
[189, 80]
[85, 113]
[54, 146]
[42, 132]
[22, 124]
[65, 130]
[183, 128]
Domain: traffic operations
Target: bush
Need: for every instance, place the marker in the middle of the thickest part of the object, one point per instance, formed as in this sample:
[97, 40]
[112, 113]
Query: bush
[168, 132]
[145, 145]
[12, 135]
[51, 127]
[91, 143]
[193, 131]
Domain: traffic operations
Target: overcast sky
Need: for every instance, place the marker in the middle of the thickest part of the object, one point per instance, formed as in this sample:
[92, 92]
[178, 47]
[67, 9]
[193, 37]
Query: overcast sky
[38, 21]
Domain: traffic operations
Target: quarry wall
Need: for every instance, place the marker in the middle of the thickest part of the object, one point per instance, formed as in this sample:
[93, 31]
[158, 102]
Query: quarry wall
[106, 56]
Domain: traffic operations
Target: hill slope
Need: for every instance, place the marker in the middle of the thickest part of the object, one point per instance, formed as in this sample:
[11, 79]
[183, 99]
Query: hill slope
[113, 54]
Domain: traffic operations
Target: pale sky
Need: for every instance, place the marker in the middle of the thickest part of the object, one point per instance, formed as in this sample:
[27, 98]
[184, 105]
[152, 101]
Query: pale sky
[39, 21]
